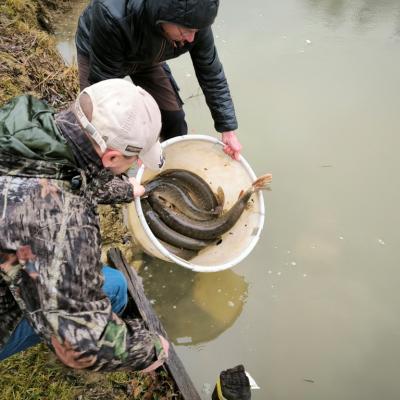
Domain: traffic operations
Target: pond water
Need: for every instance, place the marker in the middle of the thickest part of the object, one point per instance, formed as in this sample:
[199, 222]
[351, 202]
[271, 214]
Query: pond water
[313, 312]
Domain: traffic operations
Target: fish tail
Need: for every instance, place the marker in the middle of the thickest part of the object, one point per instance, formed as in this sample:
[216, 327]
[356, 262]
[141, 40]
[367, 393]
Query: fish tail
[220, 197]
[262, 182]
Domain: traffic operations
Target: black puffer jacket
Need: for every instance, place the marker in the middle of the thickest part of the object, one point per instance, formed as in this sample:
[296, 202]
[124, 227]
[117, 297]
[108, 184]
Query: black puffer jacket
[121, 36]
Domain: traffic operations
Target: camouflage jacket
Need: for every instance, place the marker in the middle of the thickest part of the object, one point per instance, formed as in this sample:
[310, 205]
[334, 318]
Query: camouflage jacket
[50, 269]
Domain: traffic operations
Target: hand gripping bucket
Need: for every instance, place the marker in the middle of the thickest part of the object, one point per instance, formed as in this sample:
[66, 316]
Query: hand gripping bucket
[204, 156]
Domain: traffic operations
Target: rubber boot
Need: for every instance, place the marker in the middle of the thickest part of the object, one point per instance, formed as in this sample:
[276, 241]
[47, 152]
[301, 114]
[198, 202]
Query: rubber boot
[233, 384]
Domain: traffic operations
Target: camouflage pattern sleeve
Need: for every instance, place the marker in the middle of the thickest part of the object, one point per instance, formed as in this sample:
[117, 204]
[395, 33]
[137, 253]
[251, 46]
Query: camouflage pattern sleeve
[118, 190]
[110, 189]
[53, 272]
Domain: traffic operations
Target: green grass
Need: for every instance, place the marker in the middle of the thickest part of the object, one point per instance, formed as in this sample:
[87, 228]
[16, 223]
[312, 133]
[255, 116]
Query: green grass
[37, 374]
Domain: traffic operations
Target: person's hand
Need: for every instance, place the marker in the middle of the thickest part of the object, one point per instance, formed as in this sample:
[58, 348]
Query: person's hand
[160, 361]
[138, 189]
[165, 345]
[69, 356]
[232, 145]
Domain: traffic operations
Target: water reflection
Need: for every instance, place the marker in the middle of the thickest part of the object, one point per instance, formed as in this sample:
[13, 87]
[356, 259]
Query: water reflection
[65, 30]
[361, 12]
[193, 307]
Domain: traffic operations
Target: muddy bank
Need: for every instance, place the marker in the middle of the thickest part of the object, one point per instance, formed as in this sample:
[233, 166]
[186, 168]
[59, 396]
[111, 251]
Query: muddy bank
[29, 61]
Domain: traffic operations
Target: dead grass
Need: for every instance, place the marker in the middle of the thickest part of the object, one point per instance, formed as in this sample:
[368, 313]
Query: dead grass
[29, 61]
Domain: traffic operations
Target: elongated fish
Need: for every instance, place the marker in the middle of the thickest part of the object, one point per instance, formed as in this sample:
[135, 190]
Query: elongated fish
[165, 233]
[212, 229]
[185, 254]
[197, 186]
[179, 198]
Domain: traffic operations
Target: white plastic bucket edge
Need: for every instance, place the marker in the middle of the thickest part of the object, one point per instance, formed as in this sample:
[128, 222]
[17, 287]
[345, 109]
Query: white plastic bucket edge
[173, 257]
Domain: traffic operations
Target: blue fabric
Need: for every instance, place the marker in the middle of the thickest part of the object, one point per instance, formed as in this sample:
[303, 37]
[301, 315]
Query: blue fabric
[115, 287]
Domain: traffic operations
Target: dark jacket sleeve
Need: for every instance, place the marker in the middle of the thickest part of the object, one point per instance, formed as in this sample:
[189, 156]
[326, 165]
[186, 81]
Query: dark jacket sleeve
[106, 45]
[212, 80]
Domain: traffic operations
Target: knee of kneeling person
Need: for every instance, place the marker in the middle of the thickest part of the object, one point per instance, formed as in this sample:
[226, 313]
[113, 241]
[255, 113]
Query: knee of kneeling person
[173, 124]
[116, 288]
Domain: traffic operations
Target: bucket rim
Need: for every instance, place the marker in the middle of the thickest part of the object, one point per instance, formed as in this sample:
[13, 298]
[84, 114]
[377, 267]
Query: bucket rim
[173, 257]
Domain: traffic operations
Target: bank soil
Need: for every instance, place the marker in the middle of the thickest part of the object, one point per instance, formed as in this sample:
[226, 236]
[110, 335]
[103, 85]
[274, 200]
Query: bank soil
[30, 63]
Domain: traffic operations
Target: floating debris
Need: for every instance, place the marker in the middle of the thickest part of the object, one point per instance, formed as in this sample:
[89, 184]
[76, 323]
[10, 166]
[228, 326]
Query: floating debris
[253, 384]
[206, 389]
[380, 241]
[293, 263]
[184, 340]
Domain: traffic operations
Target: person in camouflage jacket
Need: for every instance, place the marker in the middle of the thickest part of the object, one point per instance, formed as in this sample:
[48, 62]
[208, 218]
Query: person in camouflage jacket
[54, 172]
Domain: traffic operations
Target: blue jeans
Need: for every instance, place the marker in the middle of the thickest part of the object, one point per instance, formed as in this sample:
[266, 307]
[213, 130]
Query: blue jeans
[116, 289]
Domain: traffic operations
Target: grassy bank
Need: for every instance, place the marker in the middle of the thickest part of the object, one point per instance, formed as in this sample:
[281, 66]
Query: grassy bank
[30, 63]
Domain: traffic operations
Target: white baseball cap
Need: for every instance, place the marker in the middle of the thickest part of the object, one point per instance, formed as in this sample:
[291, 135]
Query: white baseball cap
[125, 118]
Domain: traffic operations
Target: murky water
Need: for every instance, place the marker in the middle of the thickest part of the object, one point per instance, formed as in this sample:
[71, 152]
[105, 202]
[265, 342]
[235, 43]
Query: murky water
[312, 313]
[65, 28]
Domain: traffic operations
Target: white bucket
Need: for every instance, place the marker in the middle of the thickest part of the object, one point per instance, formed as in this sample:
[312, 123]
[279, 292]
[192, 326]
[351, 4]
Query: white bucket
[204, 156]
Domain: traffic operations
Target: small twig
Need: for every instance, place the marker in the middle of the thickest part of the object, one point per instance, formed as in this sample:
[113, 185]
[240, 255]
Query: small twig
[198, 94]
[6, 25]
[48, 77]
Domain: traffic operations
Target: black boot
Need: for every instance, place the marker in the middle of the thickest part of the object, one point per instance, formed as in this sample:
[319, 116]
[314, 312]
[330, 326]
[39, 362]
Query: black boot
[233, 384]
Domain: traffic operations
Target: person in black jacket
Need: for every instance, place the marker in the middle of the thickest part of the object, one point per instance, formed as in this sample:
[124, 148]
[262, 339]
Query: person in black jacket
[116, 38]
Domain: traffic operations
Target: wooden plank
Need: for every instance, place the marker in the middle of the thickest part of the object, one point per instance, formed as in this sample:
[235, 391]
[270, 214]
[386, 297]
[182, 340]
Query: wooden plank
[174, 365]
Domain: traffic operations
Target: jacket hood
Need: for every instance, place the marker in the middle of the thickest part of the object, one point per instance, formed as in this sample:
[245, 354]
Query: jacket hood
[193, 14]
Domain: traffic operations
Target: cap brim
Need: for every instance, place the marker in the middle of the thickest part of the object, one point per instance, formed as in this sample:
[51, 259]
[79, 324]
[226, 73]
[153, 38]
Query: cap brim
[153, 158]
